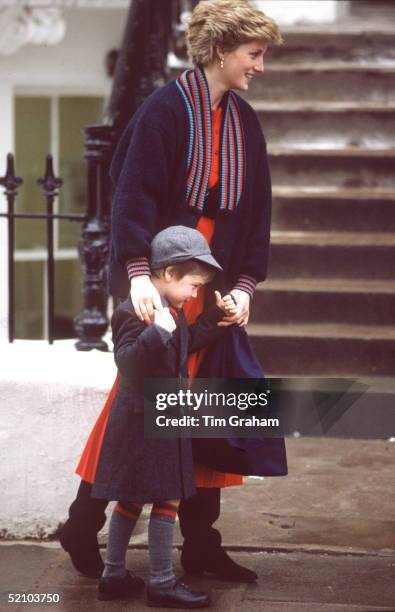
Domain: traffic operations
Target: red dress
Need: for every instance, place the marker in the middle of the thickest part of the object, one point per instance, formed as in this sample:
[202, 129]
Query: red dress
[204, 476]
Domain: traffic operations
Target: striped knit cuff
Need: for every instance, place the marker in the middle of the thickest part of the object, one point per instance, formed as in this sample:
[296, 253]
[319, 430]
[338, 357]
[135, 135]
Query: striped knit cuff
[246, 283]
[138, 267]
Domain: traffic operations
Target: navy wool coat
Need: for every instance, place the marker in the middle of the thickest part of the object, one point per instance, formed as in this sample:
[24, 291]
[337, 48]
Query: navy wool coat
[149, 172]
[131, 467]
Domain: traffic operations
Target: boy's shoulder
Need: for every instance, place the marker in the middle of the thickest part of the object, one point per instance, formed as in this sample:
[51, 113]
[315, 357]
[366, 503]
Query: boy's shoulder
[125, 306]
[125, 312]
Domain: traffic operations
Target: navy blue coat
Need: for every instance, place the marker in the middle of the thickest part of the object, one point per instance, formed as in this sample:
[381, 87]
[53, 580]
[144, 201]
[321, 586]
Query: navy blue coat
[149, 172]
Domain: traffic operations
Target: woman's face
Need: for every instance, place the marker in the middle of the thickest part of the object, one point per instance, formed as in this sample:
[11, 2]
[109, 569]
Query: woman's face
[243, 64]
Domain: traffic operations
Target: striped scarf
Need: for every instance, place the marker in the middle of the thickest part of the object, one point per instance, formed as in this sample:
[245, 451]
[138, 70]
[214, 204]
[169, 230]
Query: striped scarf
[196, 96]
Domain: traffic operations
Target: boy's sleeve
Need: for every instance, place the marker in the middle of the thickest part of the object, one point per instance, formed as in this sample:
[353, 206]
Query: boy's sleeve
[205, 329]
[137, 344]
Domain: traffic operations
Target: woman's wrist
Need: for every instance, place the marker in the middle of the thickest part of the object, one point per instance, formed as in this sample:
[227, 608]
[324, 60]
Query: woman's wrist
[139, 266]
[246, 283]
[139, 279]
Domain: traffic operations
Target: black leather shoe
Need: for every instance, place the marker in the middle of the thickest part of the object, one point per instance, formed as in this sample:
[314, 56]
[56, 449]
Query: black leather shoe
[219, 563]
[120, 588]
[178, 595]
[83, 551]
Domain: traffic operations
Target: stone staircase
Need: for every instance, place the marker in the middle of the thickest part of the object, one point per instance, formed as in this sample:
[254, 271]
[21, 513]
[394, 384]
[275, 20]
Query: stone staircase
[327, 108]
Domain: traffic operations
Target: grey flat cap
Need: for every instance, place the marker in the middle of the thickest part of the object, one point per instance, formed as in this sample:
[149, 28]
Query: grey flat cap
[179, 243]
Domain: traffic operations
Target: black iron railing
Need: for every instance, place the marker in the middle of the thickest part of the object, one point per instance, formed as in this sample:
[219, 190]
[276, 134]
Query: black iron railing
[50, 185]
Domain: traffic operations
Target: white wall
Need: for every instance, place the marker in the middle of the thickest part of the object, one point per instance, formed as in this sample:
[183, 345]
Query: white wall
[50, 397]
[74, 66]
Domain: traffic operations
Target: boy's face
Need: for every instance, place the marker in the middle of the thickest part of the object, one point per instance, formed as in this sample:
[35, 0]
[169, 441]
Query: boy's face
[179, 291]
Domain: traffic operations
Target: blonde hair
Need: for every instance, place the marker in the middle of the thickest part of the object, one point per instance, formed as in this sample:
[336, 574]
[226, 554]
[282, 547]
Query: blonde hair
[226, 24]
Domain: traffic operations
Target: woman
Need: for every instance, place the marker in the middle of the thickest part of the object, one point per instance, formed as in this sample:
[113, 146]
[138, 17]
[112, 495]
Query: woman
[194, 154]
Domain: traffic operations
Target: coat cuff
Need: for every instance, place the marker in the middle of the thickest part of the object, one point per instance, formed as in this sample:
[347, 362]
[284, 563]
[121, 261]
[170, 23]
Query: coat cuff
[246, 283]
[164, 334]
[138, 267]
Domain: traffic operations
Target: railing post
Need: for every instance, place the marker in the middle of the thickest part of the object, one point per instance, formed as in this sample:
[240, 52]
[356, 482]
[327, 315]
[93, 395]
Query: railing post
[154, 68]
[147, 36]
[141, 63]
[11, 184]
[50, 184]
[91, 324]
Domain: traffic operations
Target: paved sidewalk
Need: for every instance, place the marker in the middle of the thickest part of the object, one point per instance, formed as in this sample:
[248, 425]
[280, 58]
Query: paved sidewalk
[288, 582]
[321, 540]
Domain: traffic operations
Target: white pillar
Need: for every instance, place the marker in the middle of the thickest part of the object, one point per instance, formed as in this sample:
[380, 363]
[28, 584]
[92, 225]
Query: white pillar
[6, 146]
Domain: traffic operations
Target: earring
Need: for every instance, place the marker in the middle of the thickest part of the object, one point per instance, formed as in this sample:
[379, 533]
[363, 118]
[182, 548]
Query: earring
[222, 62]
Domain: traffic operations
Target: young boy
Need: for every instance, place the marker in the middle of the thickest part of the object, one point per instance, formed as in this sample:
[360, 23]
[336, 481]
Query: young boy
[134, 470]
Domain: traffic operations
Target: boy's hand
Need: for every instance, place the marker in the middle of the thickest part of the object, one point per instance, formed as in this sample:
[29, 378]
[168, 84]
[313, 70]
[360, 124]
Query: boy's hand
[242, 314]
[226, 304]
[164, 319]
[145, 298]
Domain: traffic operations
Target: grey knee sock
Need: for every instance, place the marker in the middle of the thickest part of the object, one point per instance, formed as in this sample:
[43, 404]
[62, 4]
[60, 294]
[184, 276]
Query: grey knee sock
[160, 539]
[122, 523]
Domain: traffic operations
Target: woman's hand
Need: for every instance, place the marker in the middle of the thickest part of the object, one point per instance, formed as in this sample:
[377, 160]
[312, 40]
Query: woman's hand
[164, 319]
[145, 298]
[242, 313]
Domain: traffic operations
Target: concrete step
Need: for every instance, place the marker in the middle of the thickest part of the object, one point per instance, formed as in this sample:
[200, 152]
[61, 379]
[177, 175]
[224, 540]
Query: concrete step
[349, 42]
[361, 42]
[332, 254]
[328, 67]
[327, 125]
[286, 301]
[342, 152]
[324, 349]
[365, 9]
[342, 167]
[324, 106]
[328, 209]
[326, 81]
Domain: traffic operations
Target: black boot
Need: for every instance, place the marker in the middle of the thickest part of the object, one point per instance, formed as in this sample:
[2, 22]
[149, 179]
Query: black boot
[224, 568]
[196, 560]
[78, 536]
[197, 515]
[202, 551]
